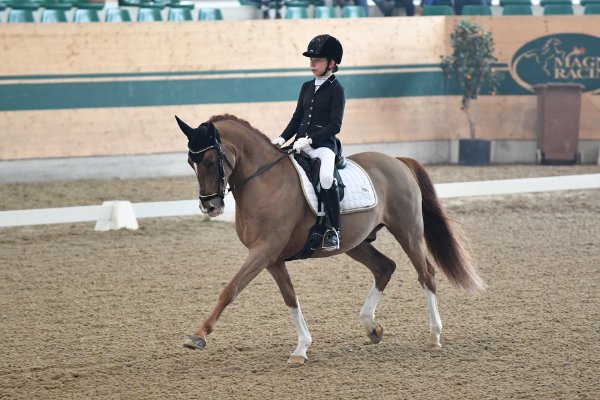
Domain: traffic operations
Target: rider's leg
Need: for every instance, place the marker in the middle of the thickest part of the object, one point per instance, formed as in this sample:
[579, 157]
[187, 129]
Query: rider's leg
[327, 157]
[331, 239]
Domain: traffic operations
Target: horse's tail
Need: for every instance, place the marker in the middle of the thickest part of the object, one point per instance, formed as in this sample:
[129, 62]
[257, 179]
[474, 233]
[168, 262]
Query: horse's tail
[443, 244]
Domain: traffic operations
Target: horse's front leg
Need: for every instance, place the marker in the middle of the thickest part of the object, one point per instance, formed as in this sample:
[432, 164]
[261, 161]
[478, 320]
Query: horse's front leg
[284, 282]
[257, 260]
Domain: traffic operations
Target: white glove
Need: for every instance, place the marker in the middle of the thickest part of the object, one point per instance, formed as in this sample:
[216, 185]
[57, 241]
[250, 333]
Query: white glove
[301, 143]
[278, 141]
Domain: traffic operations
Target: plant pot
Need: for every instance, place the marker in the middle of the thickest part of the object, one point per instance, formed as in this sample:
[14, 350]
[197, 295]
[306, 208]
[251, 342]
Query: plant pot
[474, 151]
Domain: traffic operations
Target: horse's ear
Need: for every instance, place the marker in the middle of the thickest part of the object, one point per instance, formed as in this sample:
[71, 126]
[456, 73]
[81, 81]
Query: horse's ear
[185, 128]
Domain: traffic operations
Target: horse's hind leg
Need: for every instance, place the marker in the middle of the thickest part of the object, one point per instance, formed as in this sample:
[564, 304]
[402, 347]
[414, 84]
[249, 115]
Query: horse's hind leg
[284, 282]
[417, 253]
[382, 269]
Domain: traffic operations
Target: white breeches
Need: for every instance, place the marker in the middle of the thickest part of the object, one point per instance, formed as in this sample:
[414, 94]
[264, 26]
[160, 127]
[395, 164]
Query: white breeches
[327, 157]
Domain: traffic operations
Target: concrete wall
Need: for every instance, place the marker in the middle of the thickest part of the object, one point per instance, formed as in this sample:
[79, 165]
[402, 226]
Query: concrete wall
[72, 90]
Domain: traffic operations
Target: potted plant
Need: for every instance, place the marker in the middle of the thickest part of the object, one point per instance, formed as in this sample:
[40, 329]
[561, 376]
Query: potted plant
[472, 65]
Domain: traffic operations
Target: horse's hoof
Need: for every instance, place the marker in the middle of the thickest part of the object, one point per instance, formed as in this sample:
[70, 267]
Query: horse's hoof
[194, 342]
[297, 361]
[434, 343]
[434, 346]
[376, 334]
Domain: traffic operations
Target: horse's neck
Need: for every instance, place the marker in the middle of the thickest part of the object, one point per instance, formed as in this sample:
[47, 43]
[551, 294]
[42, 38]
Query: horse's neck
[251, 151]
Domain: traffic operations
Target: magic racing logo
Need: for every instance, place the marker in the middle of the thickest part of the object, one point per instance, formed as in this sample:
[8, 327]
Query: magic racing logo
[558, 58]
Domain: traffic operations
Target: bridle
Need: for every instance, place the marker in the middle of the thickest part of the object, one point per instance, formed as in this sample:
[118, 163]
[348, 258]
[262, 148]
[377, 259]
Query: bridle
[196, 157]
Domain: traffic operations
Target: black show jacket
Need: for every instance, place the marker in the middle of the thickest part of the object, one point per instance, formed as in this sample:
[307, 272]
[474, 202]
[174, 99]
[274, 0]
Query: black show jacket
[318, 115]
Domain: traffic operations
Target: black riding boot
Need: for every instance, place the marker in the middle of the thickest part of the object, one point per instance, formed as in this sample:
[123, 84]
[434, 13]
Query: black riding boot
[331, 238]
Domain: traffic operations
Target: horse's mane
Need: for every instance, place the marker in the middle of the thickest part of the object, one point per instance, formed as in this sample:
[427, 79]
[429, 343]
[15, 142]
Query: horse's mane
[230, 117]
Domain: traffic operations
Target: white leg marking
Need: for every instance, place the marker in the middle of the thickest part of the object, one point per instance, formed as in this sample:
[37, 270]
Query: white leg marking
[367, 312]
[304, 338]
[435, 322]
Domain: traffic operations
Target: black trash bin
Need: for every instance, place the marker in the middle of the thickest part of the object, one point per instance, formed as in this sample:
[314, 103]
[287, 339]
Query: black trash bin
[558, 115]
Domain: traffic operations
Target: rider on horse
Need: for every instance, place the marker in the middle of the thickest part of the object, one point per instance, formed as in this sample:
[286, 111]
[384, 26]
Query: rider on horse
[316, 121]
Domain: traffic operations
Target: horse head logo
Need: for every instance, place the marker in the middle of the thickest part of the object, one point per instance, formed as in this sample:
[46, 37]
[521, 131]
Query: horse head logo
[564, 58]
[545, 55]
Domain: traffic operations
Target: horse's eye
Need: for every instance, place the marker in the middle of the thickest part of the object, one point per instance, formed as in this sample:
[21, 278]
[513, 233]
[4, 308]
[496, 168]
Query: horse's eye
[210, 163]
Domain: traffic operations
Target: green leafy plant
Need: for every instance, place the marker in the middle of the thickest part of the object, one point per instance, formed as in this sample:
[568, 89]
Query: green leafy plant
[471, 63]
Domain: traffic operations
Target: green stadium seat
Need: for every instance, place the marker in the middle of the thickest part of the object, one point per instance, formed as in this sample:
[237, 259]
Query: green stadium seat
[210, 14]
[89, 4]
[296, 3]
[181, 4]
[50, 15]
[471, 9]
[86, 15]
[249, 3]
[558, 9]
[517, 9]
[153, 3]
[23, 5]
[180, 14]
[592, 9]
[117, 15]
[353, 12]
[437, 10]
[545, 3]
[586, 2]
[325, 12]
[437, 3]
[149, 14]
[18, 15]
[296, 12]
[56, 5]
[504, 3]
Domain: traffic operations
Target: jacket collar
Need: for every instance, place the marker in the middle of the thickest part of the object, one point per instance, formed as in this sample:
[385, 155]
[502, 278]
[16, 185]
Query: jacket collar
[329, 81]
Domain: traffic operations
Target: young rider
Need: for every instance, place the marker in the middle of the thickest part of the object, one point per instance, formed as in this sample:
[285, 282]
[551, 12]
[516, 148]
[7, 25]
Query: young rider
[316, 121]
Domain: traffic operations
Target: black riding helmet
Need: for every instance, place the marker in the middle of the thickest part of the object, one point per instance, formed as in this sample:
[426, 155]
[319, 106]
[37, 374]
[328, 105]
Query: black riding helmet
[325, 46]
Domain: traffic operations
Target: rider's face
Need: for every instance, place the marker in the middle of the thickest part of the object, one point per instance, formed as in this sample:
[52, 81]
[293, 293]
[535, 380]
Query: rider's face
[318, 66]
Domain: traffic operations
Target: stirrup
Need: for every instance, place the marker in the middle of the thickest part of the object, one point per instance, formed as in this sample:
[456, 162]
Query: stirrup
[331, 240]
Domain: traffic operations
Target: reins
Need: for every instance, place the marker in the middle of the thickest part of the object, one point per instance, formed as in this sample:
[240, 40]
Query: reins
[286, 150]
[215, 143]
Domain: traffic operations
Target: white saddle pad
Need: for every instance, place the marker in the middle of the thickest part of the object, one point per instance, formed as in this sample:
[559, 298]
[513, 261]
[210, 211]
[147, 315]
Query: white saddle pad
[359, 194]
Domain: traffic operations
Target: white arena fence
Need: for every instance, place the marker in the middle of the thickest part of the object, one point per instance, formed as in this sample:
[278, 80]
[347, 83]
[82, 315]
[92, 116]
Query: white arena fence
[124, 214]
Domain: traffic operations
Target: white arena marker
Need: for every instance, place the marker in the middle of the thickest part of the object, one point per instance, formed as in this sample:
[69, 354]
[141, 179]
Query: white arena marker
[514, 186]
[121, 216]
[62, 215]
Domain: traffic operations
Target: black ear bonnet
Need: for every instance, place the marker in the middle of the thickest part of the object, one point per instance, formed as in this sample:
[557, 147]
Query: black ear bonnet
[204, 138]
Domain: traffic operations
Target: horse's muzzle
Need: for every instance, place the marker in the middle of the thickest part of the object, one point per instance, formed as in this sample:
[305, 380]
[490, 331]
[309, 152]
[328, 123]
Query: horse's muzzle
[213, 207]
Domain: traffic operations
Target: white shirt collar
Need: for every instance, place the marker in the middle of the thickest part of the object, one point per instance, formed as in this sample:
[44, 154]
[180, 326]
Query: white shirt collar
[319, 80]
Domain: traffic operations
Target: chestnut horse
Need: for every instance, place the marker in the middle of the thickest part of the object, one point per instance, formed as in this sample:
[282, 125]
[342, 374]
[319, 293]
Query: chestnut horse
[272, 219]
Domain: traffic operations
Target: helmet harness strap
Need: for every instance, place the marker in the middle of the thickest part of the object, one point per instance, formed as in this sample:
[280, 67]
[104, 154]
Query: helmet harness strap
[327, 69]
